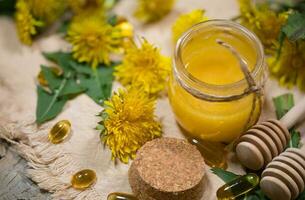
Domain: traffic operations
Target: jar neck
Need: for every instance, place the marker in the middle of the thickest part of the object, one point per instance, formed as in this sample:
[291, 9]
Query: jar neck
[211, 92]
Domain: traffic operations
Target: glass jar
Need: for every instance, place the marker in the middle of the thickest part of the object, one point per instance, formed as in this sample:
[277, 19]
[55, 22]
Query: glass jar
[208, 92]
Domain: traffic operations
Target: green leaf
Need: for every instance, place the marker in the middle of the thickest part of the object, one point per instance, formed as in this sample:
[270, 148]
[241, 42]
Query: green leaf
[301, 196]
[250, 197]
[100, 127]
[63, 28]
[105, 75]
[98, 83]
[48, 105]
[259, 194]
[281, 40]
[283, 104]
[112, 20]
[295, 26]
[7, 7]
[81, 67]
[92, 89]
[71, 88]
[53, 80]
[62, 59]
[226, 176]
[295, 139]
[77, 78]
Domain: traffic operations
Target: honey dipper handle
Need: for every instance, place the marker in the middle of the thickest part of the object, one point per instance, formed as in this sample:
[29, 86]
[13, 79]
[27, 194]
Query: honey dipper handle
[294, 115]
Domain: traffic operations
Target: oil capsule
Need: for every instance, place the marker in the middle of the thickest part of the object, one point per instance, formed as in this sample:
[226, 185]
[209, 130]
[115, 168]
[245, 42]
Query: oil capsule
[214, 153]
[83, 179]
[238, 187]
[59, 131]
[121, 196]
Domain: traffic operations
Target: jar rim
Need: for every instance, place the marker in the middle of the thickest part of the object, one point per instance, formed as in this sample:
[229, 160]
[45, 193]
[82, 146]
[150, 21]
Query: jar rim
[181, 72]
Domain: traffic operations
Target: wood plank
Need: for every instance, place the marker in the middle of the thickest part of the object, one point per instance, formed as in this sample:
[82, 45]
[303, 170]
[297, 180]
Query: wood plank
[13, 182]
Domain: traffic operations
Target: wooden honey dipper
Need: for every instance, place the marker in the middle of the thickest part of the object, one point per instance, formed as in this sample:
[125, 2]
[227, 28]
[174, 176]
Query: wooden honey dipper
[260, 144]
[284, 176]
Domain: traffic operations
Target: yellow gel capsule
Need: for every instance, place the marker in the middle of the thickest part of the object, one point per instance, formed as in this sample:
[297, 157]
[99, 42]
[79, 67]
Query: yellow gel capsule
[238, 187]
[83, 179]
[59, 131]
[214, 153]
[121, 196]
[42, 80]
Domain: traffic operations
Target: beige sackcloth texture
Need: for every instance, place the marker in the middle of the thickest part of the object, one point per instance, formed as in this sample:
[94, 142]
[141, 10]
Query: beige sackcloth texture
[54, 164]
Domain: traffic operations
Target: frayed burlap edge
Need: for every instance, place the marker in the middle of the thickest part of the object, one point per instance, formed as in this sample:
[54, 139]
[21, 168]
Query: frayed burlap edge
[49, 166]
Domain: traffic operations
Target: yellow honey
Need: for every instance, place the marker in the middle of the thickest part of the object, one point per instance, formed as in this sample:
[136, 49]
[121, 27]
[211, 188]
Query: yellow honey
[214, 153]
[59, 131]
[206, 76]
[83, 179]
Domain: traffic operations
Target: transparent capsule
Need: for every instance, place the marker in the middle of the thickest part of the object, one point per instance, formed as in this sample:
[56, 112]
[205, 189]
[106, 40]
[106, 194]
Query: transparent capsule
[42, 80]
[83, 179]
[121, 196]
[238, 187]
[59, 131]
[214, 153]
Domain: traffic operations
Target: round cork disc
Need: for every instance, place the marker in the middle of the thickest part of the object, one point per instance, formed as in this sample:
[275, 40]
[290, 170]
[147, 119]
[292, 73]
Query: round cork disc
[289, 171]
[287, 180]
[297, 151]
[273, 135]
[167, 168]
[264, 136]
[274, 188]
[278, 132]
[282, 127]
[245, 151]
[292, 163]
[263, 148]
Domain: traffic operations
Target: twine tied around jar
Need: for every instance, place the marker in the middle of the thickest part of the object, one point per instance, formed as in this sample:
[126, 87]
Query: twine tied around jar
[252, 85]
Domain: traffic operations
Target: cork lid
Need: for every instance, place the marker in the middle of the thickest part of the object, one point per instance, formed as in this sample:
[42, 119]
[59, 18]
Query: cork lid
[170, 164]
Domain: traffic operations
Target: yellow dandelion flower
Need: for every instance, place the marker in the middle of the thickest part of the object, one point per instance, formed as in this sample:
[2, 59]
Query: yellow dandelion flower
[47, 10]
[153, 10]
[93, 40]
[290, 66]
[126, 30]
[186, 21]
[25, 22]
[144, 66]
[265, 22]
[128, 122]
[81, 7]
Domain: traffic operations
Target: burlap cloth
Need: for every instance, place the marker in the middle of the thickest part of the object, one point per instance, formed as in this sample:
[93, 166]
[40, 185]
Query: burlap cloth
[53, 165]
